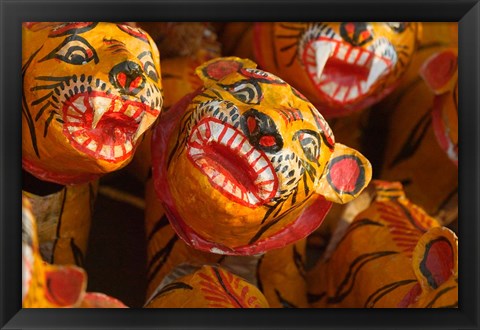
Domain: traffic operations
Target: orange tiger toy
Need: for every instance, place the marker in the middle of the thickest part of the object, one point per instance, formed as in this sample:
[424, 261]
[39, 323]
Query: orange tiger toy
[412, 154]
[246, 164]
[340, 66]
[392, 255]
[90, 90]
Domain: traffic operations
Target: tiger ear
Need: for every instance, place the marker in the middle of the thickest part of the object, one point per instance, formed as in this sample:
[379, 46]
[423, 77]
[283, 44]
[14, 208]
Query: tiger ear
[440, 71]
[216, 69]
[348, 172]
[66, 285]
[435, 257]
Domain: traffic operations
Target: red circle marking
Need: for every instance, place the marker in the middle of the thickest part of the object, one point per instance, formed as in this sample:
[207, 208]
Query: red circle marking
[439, 69]
[220, 69]
[440, 261]
[344, 174]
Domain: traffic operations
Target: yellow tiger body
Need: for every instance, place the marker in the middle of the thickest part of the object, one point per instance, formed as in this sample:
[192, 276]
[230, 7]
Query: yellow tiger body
[208, 287]
[64, 220]
[278, 274]
[412, 154]
[392, 255]
[51, 286]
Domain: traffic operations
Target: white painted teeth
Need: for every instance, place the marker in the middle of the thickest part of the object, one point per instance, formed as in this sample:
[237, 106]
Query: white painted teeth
[226, 135]
[377, 63]
[100, 107]
[79, 103]
[142, 127]
[379, 67]
[323, 50]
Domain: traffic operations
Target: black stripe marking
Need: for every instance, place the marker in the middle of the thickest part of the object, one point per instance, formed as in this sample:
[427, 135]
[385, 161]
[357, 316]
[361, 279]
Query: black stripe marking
[158, 225]
[285, 303]
[59, 225]
[313, 298]
[439, 294]
[358, 224]
[414, 139]
[171, 287]
[384, 290]
[352, 273]
[161, 255]
[220, 280]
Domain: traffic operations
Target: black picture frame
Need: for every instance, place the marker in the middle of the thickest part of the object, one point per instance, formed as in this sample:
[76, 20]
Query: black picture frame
[13, 12]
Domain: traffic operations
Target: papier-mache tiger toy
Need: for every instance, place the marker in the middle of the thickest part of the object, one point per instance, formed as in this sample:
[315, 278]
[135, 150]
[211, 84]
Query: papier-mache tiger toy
[279, 274]
[208, 287]
[246, 164]
[90, 90]
[412, 154]
[392, 255]
[49, 286]
[339, 66]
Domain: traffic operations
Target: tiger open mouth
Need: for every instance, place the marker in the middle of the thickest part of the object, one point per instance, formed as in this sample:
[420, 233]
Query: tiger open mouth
[103, 125]
[344, 73]
[233, 166]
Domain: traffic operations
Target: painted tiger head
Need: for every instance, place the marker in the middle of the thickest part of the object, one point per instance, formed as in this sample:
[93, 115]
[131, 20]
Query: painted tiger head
[90, 90]
[339, 66]
[240, 160]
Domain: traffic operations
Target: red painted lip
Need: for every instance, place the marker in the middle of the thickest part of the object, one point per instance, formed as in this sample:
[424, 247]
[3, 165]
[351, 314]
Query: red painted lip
[344, 77]
[112, 138]
[233, 166]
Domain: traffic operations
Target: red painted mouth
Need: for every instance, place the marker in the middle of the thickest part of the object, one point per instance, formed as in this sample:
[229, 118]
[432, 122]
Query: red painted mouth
[348, 73]
[233, 166]
[103, 126]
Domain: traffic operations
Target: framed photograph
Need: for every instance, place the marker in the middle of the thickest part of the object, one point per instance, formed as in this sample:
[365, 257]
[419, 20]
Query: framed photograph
[182, 159]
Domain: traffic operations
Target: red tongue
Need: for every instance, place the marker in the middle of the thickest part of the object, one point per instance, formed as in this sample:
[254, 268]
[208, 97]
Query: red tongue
[343, 73]
[114, 129]
[235, 168]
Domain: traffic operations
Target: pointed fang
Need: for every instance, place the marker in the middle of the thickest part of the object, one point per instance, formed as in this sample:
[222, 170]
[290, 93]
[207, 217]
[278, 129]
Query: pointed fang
[323, 50]
[378, 68]
[100, 106]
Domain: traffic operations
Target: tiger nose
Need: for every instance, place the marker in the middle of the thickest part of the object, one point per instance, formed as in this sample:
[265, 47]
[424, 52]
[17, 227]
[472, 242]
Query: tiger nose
[127, 77]
[356, 33]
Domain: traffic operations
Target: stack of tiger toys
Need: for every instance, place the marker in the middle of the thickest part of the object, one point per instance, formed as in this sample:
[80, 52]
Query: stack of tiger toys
[269, 165]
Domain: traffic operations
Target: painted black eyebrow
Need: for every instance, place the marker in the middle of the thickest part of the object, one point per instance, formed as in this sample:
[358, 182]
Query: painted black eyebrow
[74, 30]
[142, 54]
